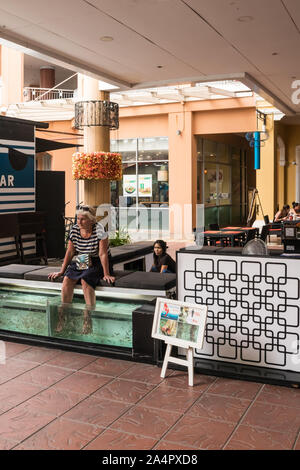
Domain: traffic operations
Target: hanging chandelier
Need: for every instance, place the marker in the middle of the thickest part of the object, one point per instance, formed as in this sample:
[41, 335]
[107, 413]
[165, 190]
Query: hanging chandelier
[96, 113]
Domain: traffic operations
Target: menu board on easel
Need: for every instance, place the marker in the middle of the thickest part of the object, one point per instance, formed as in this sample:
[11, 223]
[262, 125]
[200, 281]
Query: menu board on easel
[179, 323]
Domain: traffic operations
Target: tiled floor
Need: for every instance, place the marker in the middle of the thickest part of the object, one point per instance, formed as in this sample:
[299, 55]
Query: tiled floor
[52, 399]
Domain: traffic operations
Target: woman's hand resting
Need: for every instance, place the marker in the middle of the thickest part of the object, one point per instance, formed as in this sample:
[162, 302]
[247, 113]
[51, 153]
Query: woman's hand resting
[109, 279]
[53, 276]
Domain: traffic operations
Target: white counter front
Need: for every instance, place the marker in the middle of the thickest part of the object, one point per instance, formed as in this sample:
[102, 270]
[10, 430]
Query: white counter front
[253, 307]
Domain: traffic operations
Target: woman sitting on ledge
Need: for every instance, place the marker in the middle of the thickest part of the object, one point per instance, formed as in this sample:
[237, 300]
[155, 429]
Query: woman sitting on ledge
[89, 242]
[162, 262]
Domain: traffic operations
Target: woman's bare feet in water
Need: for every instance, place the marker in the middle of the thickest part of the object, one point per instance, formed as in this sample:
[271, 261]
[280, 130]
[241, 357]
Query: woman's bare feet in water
[87, 326]
[62, 318]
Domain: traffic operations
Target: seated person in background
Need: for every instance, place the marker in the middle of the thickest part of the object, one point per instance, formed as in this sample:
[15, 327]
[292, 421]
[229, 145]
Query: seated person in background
[283, 214]
[297, 212]
[292, 210]
[162, 262]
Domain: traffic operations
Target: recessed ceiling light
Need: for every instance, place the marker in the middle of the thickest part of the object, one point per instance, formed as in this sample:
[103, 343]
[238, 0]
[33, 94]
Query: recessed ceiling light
[106, 38]
[245, 19]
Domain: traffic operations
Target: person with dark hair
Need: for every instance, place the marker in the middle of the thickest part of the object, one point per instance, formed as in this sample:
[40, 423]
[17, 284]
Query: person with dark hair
[292, 213]
[162, 262]
[282, 214]
[297, 212]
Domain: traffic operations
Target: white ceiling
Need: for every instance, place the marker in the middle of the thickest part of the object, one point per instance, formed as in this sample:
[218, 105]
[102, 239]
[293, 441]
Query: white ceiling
[161, 42]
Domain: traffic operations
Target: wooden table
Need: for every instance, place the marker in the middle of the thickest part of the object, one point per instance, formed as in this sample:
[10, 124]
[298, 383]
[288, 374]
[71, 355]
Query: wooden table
[243, 229]
[224, 236]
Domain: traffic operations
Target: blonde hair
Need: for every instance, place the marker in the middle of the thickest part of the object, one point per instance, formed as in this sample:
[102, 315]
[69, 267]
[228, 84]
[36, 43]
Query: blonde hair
[88, 211]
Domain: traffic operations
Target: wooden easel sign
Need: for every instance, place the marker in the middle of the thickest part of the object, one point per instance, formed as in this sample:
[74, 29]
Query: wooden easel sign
[179, 324]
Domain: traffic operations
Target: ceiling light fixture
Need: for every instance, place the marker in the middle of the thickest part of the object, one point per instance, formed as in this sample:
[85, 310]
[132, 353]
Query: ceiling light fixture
[245, 19]
[106, 38]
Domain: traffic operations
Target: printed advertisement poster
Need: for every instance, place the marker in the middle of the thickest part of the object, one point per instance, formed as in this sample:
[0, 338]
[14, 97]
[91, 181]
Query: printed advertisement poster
[145, 185]
[184, 323]
[130, 185]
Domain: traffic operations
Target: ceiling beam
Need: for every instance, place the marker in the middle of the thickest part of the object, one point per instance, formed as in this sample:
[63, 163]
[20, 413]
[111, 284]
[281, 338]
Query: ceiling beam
[262, 91]
[30, 47]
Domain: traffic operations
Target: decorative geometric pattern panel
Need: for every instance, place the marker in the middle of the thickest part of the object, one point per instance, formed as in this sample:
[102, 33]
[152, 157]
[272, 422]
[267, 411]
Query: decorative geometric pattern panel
[253, 307]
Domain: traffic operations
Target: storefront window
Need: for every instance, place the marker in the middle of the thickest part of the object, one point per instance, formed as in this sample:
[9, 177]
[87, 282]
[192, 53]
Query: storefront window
[221, 183]
[145, 180]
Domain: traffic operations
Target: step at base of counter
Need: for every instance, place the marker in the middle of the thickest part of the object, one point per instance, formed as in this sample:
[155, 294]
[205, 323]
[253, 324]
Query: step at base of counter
[241, 372]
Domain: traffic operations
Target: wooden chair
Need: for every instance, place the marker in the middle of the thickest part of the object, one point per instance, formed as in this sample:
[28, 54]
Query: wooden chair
[9, 228]
[33, 223]
[264, 232]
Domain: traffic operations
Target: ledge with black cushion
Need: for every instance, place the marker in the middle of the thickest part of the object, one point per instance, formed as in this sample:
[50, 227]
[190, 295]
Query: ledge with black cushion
[148, 281]
[133, 256]
[126, 282]
[17, 271]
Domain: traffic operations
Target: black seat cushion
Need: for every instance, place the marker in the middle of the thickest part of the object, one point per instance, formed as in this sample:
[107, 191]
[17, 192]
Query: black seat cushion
[42, 274]
[117, 274]
[147, 280]
[130, 251]
[17, 271]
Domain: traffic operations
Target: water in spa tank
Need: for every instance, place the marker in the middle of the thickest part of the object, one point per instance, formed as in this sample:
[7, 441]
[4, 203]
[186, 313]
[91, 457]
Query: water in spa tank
[24, 312]
[109, 323]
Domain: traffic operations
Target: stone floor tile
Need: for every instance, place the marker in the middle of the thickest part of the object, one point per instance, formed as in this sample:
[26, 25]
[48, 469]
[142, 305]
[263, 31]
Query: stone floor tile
[108, 366]
[123, 390]
[97, 411]
[146, 422]
[250, 438]
[200, 433]
[273, 417]
[219, 407]
[235, 388]
[81, 382]
[116, 440]
[61, 434]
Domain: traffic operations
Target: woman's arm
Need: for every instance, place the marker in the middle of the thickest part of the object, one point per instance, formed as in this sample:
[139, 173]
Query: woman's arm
[103, 255]
[67, 259]
[278, 217]
[164, 267]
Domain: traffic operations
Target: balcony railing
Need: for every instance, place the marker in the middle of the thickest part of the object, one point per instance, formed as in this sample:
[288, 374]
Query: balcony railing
[36, 94]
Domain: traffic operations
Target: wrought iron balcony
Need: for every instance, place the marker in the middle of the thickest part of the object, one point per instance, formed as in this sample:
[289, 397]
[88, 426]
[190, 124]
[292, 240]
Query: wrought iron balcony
[37, 94]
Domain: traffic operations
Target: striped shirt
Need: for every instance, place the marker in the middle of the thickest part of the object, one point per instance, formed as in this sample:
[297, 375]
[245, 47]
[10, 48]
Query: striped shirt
[88, 245]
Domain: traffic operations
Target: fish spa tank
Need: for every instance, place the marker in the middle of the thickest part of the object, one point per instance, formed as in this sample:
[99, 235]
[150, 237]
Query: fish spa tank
[120, 324]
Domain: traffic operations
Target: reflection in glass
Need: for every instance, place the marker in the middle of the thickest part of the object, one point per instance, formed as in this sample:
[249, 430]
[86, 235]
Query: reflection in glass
[153, 148]
[224, 184]
[127, 148]
[221, 181]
